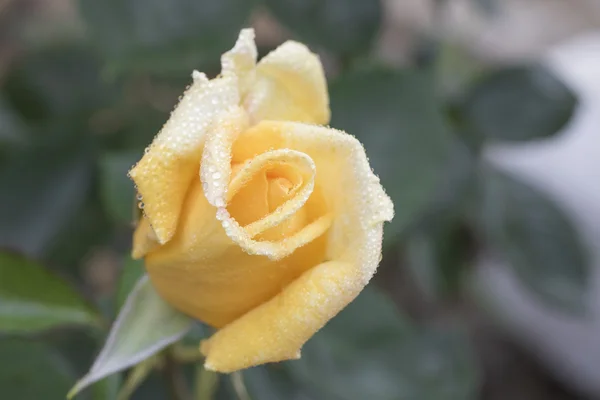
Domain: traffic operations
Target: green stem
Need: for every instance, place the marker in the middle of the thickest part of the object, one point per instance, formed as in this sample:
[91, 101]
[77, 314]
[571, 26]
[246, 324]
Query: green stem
[175, 379]
[206, 383]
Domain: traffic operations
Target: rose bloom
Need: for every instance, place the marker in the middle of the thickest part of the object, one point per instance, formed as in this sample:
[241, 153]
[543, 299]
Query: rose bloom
[258, 219]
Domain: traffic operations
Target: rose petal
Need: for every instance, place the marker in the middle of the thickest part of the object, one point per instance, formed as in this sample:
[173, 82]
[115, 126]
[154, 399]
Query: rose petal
[240, 61]
[277, 329]
[289, 85]
[352, 191]
[215, 173]
[166, 171]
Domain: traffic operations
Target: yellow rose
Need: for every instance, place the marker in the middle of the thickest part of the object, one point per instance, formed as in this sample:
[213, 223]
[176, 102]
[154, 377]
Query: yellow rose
[257, 219]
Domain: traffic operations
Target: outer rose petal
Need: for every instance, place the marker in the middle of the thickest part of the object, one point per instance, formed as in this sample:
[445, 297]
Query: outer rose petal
[277, 329]
[166, 171]
[290, 86]
[287, 84]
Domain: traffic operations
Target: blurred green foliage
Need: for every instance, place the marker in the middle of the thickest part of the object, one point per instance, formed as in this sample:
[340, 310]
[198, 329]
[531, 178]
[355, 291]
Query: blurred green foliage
[76, 113]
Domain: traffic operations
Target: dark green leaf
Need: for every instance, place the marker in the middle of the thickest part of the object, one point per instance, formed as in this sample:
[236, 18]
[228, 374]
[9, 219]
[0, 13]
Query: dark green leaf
[394, 114]
[12, 128]
[438, 254]
[41, 190]
[275, 382]
[56, 82]
[145, 325]
[107, 388]
[32, 371]
[117, 190]
[537, 239]
[32, 299]
[342, 26]
[159, 37]
[370, 352]
[519, 104]
[87, 229]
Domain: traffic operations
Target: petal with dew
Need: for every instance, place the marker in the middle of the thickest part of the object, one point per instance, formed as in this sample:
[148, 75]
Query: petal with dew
[277, 329]
[240, 61]
[218, 187]
[164, 173]
[289, 85]
[342, 168]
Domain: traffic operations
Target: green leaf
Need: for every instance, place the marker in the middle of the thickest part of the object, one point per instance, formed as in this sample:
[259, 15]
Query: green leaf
[33, 299]
[537, 240]
[438, 254]
[346, 27]
[32, 370]
[369, 351]
[106, 389]
[206, 383]
[275, 382]
[518, 104]
[42, 188]
[13, 129]
[58, 81]
[137, 376]
[87, 228]
[117, 190]
[145, 325]
[394, 114]
[164, 38]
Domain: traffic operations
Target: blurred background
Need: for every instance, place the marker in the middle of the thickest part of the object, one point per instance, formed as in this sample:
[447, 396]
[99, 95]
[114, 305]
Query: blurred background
[481, 117]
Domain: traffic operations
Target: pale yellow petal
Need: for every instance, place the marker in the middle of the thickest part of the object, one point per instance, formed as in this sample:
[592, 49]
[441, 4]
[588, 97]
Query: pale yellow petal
[351, 190]
[289, 85]
[165, 172]
[219, 188]
[276, 330]
[240, 61]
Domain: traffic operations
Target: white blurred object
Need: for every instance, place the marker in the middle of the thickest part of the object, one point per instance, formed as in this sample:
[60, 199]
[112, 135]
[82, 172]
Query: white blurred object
[566, 168]
[518, 29]
[515, 30]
